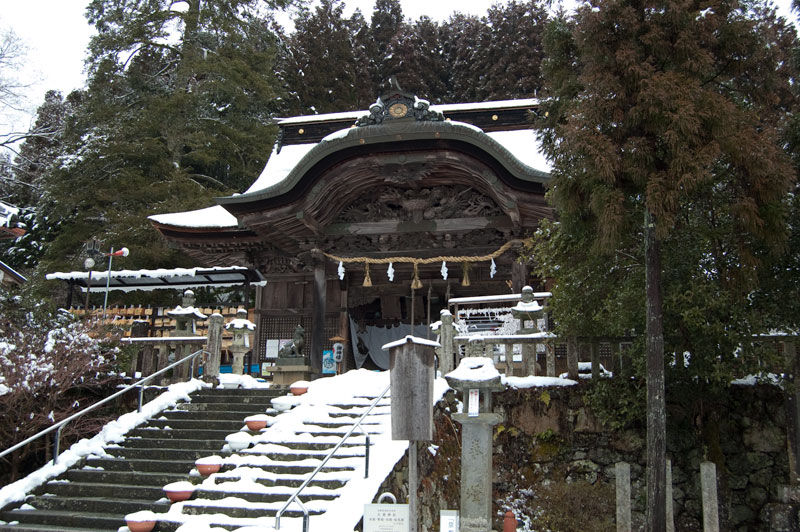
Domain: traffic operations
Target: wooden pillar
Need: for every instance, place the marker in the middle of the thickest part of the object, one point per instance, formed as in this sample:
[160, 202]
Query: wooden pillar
[147, 360]
[318, 316]
[519, 276]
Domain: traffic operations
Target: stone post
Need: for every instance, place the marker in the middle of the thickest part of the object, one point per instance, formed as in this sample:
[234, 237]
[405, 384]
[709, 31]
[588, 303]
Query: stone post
[708, 487]
[670, 509]
[446, 333]
[572, 357]
[528, 358]
[241, 339]
[793, 408]
[594, 347]
[147, 360]
[550, 351]
[622, 474]
[214, 347]
[476, 379]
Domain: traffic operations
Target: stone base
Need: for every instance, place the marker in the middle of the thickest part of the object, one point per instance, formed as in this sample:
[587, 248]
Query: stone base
[284, 372]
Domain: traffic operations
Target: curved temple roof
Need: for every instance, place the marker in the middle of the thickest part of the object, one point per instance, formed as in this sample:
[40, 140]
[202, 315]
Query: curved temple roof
[515, 148]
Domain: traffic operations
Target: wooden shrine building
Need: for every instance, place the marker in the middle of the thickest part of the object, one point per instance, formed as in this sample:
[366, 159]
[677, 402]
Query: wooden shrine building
[355, 212]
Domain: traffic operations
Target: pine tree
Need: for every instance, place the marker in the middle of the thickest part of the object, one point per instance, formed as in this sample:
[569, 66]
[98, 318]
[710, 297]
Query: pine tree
[656, 109]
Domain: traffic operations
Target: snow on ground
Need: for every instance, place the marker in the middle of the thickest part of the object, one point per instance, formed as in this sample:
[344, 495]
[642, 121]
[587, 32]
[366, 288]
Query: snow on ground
[113, 432]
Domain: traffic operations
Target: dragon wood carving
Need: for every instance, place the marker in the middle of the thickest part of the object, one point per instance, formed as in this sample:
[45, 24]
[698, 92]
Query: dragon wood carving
[393, 203]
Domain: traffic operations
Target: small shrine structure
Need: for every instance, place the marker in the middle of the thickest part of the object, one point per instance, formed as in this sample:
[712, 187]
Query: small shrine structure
[366, 223]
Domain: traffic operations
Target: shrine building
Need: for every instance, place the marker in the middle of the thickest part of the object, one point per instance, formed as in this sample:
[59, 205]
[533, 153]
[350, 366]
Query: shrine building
[365, 221]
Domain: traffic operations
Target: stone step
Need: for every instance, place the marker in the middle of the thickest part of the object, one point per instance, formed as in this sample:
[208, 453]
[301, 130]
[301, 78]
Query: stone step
[97, 505]
[281, 497]
[260, 399]
[145, 465]
[205, 415]
[182, 434]
[103, 489]
[235, 393]
[183, 422]
[133, 478]
[34, 527]
[288, 482]
[65, 520]
[190, 508]
[165, 444]
[247, 409]
[159, 454]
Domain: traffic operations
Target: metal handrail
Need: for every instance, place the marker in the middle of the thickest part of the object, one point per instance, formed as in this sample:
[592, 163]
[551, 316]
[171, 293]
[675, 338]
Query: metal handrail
[294, 496]
[60, 425]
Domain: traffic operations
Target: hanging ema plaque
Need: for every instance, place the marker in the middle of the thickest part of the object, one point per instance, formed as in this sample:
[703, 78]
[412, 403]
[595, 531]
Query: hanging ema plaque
[386, 518]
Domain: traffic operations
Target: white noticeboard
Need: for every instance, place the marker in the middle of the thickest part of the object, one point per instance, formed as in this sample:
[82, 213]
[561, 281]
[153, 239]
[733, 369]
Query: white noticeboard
[386, 518]
[473, 406]
[448, 520]
[272, 349]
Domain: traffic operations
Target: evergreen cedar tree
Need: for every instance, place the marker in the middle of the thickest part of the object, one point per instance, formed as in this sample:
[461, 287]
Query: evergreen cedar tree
[664, 124]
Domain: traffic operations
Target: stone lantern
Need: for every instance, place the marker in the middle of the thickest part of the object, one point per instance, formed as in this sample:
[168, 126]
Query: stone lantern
[186, 317]
[241, 327]
[476, 378]
[527, 310]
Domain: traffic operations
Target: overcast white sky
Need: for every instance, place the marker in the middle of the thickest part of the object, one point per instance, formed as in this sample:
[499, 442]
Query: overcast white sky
[57, 33]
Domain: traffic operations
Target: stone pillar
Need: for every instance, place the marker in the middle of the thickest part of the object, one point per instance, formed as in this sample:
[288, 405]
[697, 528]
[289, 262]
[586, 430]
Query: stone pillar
[670, 508]
[594, 347]
[551, 359]
[528, 358]
[708, 487]
[614, 348]
[572, 357]
[793, 407]
[476, 440]
[241, 327]
[622, 474]
[446, 333]
[214, 348]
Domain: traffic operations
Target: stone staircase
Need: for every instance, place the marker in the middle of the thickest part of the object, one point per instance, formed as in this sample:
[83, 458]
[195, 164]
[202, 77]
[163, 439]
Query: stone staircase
[249, 489]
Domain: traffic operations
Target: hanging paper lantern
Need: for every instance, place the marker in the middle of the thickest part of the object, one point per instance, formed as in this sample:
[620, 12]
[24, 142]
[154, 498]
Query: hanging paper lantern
[444, 270]
[416, 284]
[390, 273]
[367, 279]
[465, 274]
[493, 269]
[340, 270]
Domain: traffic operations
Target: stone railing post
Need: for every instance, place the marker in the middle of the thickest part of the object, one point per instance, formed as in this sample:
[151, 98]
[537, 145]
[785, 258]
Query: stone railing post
[708, 487]
[622, 474]
[214, 348]
[572, 358]
[447, 358]
[594, 348]
[550, 351]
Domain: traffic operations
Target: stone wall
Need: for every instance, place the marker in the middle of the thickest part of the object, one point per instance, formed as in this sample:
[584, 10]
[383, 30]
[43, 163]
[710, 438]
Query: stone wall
[554, 461]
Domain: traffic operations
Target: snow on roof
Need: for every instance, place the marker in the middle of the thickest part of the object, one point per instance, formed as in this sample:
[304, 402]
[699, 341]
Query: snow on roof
[279, 165]
[411, 339]
[476, 369]
[215, 217]
[494, 298]
[173, 278]
[187, 311]
[6, 212]
[534, 382]
[240, 323]
[523, 145]
[444, 108]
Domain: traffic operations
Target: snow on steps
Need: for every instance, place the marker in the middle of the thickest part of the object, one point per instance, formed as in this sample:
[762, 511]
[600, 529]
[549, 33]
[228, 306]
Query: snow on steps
[252, 484]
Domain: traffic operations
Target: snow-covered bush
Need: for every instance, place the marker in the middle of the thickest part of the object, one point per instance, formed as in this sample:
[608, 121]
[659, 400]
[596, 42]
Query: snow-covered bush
[50, 368]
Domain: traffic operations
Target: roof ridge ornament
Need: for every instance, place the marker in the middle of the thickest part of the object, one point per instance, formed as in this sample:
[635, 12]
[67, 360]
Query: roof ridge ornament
[397, 104]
